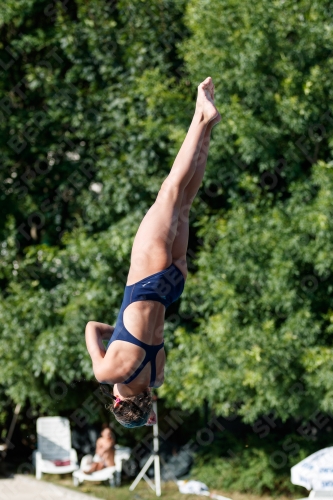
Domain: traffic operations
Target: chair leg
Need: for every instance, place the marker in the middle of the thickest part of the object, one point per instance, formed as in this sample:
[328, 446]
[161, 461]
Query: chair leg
[112, 481]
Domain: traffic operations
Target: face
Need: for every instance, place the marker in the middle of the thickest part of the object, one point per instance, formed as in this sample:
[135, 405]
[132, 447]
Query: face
[106, 433]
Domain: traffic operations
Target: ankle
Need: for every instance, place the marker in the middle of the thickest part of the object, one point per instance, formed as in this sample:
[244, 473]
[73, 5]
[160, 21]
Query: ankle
[199, 118]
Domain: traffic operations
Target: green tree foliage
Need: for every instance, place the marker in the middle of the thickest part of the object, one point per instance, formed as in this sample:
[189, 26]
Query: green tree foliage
[88, 97]
[261, 297]
[103, 104]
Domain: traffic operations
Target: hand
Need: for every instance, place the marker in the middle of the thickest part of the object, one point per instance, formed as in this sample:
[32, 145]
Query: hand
[106, 331]
[103, 330]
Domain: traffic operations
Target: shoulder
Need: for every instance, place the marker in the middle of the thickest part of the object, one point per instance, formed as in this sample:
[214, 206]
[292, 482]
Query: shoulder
[159, 381]
[105, 369]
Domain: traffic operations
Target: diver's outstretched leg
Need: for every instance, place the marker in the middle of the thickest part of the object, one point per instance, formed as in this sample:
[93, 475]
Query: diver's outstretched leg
[179, 247]
[152, 247]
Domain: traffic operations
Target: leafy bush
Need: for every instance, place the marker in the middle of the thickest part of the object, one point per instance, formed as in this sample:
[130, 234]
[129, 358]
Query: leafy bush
[248, 471]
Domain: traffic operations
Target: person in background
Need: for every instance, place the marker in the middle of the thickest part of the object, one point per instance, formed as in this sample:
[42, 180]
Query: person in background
[104, 453]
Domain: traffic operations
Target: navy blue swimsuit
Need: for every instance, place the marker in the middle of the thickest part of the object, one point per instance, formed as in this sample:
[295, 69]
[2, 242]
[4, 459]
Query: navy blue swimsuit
[164, 287]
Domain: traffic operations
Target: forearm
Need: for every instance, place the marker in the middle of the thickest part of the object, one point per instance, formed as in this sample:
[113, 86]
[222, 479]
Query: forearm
[95, 334]
[104, 330]
[94, 343]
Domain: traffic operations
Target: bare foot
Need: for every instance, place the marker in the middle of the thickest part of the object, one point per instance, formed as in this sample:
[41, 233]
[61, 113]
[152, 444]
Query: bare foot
[205, 100]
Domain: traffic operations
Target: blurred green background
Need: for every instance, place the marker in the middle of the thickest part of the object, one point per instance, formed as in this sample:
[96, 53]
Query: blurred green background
[95, 98]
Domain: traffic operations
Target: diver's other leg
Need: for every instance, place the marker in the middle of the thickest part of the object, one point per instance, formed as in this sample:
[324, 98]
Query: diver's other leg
[185, 163]
[180, 244]
[152, 247]
[193, 186]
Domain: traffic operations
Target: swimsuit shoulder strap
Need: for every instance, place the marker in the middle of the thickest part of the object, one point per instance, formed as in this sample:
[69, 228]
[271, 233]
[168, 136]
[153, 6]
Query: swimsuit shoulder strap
[151, 353]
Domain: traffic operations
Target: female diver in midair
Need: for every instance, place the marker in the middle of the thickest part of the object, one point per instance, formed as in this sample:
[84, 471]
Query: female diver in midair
[134, 358]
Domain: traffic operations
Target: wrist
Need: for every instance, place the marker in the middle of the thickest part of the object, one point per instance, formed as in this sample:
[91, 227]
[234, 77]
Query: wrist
[106, 335]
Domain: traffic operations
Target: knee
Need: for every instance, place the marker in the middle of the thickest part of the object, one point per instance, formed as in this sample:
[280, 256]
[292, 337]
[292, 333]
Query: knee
[170, 190]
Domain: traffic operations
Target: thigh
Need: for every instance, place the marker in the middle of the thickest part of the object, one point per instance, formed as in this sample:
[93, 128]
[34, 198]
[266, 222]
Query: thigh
[152, 246]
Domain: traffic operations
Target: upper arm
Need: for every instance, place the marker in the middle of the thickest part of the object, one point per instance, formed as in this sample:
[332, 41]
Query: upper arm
[103, 373]
[96, 349]
[94, 343]
[102, 361]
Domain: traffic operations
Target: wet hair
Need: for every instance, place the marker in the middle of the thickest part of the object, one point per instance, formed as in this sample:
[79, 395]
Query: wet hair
[133, 411]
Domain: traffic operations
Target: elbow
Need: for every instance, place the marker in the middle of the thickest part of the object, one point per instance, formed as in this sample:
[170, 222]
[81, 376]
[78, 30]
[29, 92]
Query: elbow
[102, 375]
[91, 329]
[99, 375]
[89, 325]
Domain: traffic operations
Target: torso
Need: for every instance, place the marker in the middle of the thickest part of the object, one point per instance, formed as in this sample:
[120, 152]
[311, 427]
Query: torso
[145, 321]
[142, 316]
[105, 450]
[104, 445]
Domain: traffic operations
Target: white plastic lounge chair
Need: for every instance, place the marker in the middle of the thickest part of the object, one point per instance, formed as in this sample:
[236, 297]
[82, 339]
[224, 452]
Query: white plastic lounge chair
[111, 474]
[54, 446]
